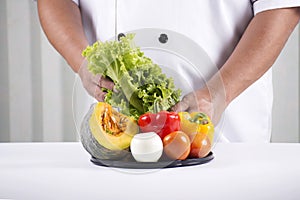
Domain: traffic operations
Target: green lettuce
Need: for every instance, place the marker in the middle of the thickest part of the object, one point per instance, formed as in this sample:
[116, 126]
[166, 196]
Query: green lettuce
[140, 85]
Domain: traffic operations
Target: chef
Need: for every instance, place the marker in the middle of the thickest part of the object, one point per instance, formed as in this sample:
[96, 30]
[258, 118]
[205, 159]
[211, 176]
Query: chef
[242, 38]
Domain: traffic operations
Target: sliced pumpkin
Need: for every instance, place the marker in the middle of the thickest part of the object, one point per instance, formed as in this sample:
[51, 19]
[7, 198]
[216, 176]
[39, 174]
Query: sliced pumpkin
[110, 128]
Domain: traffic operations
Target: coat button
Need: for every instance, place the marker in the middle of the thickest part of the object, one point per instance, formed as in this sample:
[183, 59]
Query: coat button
[163, 38]
[120, 35]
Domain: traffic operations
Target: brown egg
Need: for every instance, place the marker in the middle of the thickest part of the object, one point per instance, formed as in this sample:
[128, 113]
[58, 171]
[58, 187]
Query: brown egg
[177, 145]
[200, 145]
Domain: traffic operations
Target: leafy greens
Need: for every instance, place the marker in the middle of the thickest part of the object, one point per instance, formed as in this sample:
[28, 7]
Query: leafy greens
[140, 84]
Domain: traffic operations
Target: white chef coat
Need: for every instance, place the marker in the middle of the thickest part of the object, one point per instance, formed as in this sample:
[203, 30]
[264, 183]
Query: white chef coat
[213, 24]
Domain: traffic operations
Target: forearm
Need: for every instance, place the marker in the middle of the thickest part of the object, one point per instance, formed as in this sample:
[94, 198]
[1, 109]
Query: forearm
[257, 50]
[61, 22]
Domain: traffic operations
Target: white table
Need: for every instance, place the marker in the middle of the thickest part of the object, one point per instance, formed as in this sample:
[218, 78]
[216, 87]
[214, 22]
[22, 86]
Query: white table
[63, 171]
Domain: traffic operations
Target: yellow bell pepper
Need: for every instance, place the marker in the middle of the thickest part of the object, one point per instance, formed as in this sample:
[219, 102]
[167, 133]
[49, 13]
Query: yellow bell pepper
[196, 122]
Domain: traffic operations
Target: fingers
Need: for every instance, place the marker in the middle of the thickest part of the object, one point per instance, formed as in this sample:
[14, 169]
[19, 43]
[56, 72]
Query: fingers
[94, 84]
[94, 90]
[105, 83]
[98, 94]
[99, 83]
[190, 103]
[102, 82]
[185, 104]
[180, 107]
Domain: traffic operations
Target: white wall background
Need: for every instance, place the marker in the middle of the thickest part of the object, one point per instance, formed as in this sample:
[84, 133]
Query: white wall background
[36, 84]
[285, 126]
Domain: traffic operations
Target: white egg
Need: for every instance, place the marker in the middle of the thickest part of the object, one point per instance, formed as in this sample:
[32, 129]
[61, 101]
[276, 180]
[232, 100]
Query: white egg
[146, 147]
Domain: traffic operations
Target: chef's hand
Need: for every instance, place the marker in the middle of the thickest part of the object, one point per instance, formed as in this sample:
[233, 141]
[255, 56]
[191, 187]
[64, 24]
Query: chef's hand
[94, 83]
[203, 101]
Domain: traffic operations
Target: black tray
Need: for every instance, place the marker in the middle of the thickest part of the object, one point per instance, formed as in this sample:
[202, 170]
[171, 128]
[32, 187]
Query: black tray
[130, 163]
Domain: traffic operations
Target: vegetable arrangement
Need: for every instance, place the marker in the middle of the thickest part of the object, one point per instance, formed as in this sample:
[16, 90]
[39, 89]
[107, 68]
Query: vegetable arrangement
[183, 135]
[144, 95]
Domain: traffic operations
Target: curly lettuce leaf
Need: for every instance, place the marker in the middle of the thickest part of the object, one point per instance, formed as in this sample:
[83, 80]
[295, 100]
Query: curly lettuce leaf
[140, 84]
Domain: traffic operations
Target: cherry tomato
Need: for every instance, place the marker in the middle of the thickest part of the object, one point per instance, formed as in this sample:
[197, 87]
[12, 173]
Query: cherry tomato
[177, 145]
[200, 145]
[162, 123]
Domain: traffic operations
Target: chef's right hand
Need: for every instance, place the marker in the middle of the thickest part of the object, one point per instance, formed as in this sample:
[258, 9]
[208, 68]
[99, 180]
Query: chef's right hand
[94, 83]
[203, 100]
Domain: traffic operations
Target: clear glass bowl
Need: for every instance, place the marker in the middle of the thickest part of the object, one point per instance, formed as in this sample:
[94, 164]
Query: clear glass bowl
[178, 56]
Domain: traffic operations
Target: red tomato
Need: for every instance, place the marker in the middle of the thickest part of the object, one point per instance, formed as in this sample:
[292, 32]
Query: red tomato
[200, 145]
[162, 123]
[177, 145]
